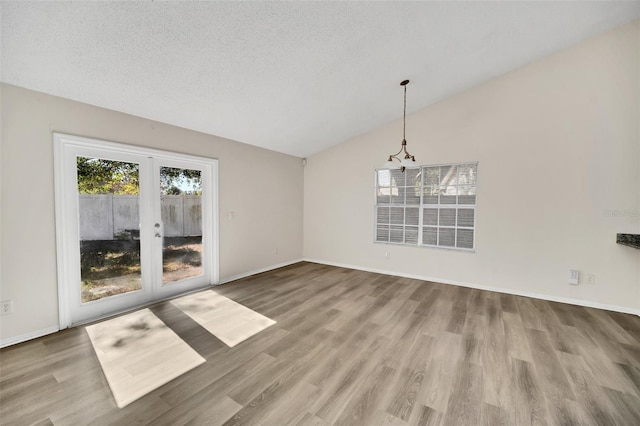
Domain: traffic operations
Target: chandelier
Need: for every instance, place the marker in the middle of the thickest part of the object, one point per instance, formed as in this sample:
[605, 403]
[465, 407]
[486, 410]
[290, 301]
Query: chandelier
[409, 160]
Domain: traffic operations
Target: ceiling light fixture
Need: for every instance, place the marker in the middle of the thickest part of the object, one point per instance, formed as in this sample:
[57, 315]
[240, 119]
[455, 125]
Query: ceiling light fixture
[408, 160]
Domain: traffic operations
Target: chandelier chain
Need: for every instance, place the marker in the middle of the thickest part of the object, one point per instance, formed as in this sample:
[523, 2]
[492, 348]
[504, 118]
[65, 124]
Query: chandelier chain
[404, 116]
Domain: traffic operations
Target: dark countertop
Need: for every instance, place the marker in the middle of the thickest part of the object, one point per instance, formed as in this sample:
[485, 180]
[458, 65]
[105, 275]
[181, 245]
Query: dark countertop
[631, 240]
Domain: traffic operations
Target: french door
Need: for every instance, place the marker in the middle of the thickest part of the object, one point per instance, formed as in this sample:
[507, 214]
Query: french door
[134, 225]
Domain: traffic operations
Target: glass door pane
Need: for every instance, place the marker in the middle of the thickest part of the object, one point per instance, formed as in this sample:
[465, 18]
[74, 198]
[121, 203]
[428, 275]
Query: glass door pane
[181, 215]
[109, 213]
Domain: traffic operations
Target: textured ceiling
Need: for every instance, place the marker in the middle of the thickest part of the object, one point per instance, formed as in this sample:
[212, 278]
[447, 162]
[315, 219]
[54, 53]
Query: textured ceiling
[288, 76]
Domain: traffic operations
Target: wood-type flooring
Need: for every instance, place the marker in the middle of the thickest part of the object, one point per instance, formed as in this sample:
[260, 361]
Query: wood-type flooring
[356, 348]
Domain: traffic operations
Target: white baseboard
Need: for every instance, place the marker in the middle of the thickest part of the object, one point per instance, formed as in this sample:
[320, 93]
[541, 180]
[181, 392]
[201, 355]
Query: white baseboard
[578, 302]
[28, 336]
[259, 271]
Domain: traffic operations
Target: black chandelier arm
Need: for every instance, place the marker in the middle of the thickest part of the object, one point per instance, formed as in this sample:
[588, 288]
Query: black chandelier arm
[406, 154]
[396, 154]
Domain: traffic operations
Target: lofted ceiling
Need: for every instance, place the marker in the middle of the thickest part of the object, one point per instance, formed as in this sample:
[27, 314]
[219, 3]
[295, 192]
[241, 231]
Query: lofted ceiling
[294, 77]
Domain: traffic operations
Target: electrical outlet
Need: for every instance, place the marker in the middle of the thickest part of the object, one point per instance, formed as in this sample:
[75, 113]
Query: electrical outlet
[574, 276]
[591, 279]
[6, 307]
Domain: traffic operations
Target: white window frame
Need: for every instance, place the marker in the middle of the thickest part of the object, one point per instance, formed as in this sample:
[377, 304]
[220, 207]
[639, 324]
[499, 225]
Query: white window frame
[422, 207]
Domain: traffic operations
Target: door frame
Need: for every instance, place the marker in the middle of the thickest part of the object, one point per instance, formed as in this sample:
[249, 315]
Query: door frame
[64, 216]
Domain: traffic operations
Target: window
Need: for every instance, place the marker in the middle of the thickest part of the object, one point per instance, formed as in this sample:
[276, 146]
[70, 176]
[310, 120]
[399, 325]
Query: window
[398, 206]
[431, 206]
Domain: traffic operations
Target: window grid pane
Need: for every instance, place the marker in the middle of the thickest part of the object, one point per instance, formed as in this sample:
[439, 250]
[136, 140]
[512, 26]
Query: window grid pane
[396, 215]
[464, 238]
[446, 237]
[412, 216]
[382, 234]
[396, 234]
[411, 235]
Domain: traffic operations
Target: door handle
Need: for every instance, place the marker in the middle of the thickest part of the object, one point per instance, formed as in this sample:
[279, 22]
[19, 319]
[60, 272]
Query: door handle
[158, 235]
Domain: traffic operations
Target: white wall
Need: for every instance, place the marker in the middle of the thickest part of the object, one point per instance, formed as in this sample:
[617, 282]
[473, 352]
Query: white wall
[558, 145]
[263, 189]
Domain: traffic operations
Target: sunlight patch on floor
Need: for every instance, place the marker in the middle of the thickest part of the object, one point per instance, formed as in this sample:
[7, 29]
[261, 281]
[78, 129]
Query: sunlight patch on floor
[227, 320]
[139, 353]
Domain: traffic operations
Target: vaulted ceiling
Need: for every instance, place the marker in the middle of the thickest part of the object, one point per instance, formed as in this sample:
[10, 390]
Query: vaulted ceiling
[294, 77]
